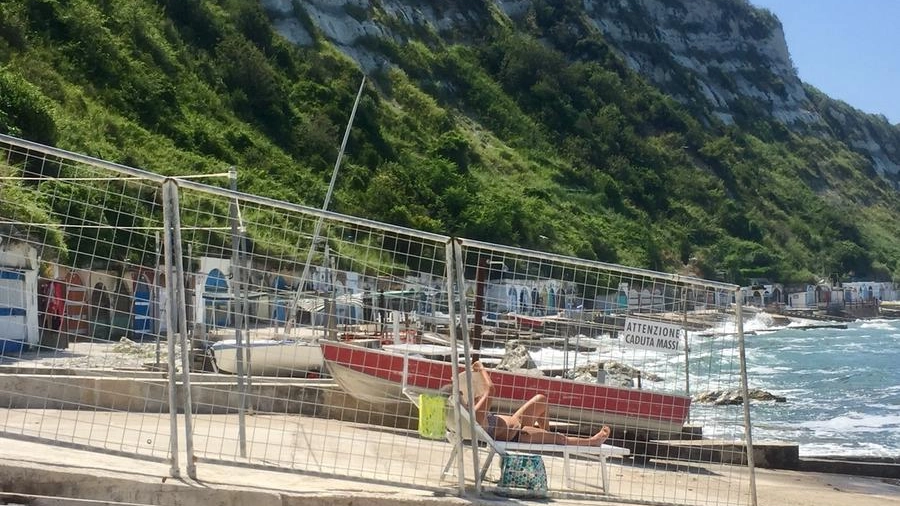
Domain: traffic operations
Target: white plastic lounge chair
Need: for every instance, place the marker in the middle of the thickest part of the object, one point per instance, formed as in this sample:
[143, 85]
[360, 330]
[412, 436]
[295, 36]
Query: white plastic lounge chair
[600, 453]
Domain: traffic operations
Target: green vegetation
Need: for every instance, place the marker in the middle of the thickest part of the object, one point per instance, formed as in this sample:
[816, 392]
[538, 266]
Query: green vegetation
[536, 136]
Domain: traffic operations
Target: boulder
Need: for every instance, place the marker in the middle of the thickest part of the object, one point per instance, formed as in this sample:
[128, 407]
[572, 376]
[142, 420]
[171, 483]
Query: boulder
[734, 397]
[516, 358]
[619, 369]
[611, 373]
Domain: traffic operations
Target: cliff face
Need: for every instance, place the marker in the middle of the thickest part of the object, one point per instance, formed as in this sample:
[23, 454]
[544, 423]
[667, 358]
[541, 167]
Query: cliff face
[735, 57]
[733, 54]
[870, 135]
[724, 60]
[350, 24]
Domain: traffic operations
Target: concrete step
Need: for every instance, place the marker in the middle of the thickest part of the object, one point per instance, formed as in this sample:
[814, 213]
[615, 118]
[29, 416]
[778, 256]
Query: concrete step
[770, 455]
[875, 467]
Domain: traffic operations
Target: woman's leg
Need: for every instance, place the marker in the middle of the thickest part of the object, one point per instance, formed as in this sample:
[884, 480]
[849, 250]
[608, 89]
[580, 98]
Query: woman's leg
[538, 436]
[534, 413]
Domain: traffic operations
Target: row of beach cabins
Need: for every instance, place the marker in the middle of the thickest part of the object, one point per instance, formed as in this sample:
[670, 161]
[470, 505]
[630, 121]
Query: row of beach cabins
[41, 304]
[55, 304]
[49, 304]
[848, 300]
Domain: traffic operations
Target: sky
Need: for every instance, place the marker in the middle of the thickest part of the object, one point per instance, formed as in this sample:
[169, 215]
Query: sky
[848, 49]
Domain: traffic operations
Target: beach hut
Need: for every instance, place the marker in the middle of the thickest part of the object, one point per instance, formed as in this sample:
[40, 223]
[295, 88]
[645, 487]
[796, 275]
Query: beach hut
[143, 324]
[282, 299]
[349, 302]
[622, 298]
[101, 312]
[216, 298]
[75, 322]
[512, 301]
[212, 295]
[52, 307]
[19, 326]
[110, 298]
[259, 308]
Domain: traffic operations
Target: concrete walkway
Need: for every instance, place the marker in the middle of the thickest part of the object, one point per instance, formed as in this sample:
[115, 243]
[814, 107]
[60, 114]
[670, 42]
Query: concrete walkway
[34, 468]
[52, 475]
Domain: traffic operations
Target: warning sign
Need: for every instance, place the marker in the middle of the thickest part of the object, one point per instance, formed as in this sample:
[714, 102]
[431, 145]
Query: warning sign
[652, 335]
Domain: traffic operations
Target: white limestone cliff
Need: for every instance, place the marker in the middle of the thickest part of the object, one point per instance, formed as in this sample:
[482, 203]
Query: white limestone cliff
[726, 53]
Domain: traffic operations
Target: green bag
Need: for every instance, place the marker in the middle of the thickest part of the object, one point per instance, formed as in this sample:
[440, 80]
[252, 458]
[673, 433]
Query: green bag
[523, 472]
[431, 416]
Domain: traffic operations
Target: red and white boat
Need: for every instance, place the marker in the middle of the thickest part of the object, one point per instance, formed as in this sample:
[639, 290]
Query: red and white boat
[376, 376]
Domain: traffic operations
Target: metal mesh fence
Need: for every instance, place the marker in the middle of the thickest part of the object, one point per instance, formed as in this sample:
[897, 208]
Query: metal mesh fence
[78, 250]
[308, 341]
[302, 278]
[625, 348]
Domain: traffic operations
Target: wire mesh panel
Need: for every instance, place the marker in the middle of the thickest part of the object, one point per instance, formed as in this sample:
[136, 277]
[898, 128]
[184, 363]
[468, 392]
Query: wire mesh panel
[600, 346]
[80, 302]
[311, 323]
[296, 339]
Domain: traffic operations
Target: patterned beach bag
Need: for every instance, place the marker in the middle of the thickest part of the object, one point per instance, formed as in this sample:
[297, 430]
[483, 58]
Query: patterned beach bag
[523, 473]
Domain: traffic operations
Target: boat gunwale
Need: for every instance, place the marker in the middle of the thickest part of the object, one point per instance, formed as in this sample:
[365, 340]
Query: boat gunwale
[433, 375]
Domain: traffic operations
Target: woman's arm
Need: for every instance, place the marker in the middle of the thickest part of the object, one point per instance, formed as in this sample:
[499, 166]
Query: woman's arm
[483, 403]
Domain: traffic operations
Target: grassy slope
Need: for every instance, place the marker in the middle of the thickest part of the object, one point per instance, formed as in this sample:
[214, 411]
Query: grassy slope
[513, 141]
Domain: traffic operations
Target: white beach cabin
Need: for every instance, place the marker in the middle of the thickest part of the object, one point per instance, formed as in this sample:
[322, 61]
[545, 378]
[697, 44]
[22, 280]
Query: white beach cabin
[18, 297]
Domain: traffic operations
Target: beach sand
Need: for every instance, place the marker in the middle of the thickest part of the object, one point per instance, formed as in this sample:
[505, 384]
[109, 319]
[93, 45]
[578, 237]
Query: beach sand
[794, 488]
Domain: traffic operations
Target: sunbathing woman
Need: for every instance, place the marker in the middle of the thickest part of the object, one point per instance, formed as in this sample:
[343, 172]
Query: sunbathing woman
[529, 424]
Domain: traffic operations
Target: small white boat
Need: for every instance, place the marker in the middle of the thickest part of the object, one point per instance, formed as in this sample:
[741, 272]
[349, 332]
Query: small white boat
[269, 357]
[436, 319]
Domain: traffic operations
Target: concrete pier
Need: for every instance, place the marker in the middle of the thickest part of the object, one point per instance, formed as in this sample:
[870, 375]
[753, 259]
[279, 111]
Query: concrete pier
[219, 394]
[20, 386]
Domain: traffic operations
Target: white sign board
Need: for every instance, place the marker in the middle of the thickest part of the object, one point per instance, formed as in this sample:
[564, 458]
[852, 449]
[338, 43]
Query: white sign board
[651, 335]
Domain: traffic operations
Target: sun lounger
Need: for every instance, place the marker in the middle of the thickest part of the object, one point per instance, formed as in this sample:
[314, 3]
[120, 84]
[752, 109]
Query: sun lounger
[600, 453]
[494, 447]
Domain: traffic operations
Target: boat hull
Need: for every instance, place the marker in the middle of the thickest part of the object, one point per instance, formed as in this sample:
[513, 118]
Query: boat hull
[270, 358]
[376, 376]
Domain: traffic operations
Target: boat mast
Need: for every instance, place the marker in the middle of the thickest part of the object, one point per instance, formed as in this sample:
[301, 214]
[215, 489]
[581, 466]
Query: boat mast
[480, 275]
[290, 321]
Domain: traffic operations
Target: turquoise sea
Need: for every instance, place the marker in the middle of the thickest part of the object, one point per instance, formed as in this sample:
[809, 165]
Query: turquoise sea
[842, 385]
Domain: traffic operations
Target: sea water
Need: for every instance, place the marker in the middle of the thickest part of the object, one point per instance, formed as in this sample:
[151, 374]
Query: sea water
[841, 385]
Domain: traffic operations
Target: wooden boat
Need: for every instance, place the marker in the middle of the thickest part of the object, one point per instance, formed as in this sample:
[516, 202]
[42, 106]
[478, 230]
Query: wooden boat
[267, 357]
[535, 322]
[296, 357]
[377, 376]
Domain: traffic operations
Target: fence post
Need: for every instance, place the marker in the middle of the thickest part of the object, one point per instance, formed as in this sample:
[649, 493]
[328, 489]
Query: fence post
[170, 217]
[175, 261]
[745, 393]
[238, 313]
[459, 270]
